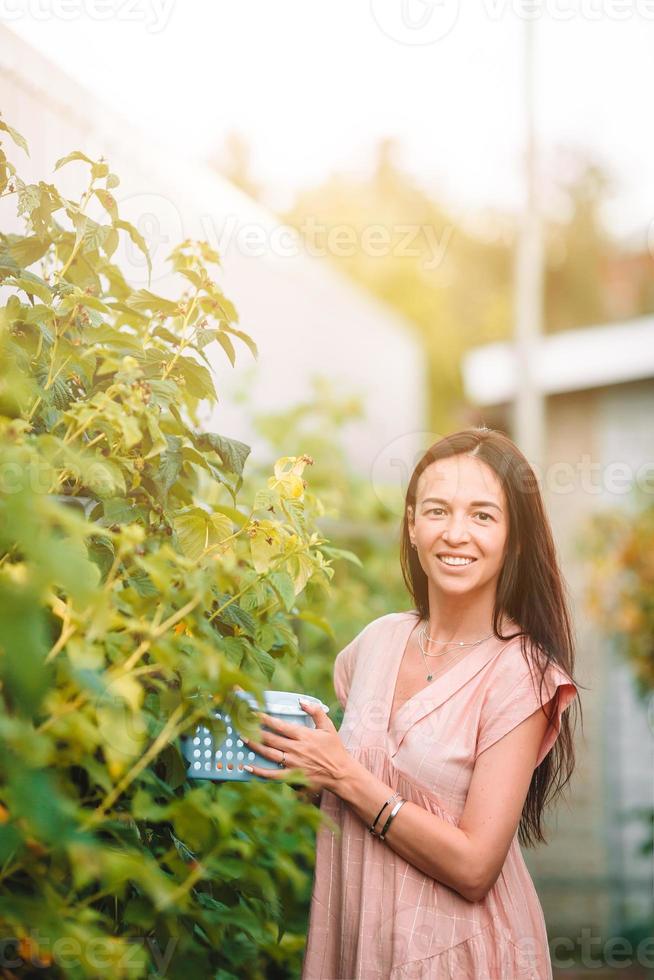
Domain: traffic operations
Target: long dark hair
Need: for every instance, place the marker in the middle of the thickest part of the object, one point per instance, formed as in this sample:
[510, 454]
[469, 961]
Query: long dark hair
[531, 590]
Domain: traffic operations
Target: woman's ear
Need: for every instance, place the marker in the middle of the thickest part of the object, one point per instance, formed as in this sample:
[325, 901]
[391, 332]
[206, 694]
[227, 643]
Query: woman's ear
[411, 524]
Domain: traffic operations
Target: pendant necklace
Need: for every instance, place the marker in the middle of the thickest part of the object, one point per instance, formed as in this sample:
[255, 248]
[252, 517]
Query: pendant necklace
[422, 636]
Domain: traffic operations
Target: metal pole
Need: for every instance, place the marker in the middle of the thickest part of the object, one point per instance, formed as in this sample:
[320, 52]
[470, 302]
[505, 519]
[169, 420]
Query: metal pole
[529, 404]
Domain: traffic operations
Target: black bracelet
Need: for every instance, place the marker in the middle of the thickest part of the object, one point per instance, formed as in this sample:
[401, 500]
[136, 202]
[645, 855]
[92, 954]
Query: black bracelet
[371, 828]
[396, 809]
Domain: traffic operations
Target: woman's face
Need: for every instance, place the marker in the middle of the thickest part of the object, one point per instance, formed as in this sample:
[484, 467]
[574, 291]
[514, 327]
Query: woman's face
[461, 512]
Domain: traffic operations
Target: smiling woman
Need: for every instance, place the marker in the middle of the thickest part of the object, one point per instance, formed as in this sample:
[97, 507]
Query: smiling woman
[440, 769]
[454, 733]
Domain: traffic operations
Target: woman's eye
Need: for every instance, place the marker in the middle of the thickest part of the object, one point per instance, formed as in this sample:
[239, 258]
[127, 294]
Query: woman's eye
[480, 513]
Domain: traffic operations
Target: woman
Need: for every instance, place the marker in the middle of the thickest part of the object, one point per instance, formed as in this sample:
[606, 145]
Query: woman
[454, 728]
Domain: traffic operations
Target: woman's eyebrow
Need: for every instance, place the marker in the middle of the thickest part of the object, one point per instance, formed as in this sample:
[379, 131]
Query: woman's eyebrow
[473, 503]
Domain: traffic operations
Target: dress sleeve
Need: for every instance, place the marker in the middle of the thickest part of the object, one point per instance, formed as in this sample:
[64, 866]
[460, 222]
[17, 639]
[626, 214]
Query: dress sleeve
[513, 695]
[343, 670]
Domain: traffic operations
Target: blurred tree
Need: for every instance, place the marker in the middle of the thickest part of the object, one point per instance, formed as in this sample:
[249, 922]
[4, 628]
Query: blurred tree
[618, 546]
[233, 159]
[451, 277]
[578, 248]
[406, 248]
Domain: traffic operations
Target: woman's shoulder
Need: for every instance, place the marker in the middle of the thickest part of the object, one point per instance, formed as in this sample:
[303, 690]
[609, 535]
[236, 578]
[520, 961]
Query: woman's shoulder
[388, 620]
[377, 629]
[520, 654]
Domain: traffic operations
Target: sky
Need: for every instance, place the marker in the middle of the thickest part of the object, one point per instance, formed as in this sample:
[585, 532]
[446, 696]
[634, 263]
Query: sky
[314, 85]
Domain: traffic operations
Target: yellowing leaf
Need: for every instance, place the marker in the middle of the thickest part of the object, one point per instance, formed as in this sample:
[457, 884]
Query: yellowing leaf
[300, 568]
[265, 545]
[191, 530]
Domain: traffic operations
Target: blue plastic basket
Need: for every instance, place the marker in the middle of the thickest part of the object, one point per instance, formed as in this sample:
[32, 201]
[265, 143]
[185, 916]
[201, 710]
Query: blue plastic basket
[220, 761]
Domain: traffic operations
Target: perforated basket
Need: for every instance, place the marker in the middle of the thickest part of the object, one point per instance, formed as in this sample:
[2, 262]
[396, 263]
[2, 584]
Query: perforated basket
[219, 761]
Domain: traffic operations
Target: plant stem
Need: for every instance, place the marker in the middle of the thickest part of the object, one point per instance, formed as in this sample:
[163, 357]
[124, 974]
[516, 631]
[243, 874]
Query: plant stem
[182, 342]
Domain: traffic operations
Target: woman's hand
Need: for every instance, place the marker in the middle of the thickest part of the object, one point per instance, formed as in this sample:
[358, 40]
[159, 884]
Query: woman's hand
[318, 751]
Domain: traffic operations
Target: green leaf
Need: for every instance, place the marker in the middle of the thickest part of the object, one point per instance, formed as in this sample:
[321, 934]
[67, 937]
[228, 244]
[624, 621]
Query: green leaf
[204, 337]
[93, 234]
[226, 345]
[108, 202]
[33, 286]
[208, 253]
[265, 500]
[247, 340]
[174, 767]
[28, 249]
[235, 615]
[192, 532]
[234, 515]
[141, 581]
[16, 137]
[110, 242]
[170, 465]
[146, 300]
[101, 551]
[23, 645]
[283, 585]
[233, 453]
[198, 380]
[137, 239]
[319, 621]
[118, 511]
[29, 198]
[264, 661]
[341, 553]
[75, 155]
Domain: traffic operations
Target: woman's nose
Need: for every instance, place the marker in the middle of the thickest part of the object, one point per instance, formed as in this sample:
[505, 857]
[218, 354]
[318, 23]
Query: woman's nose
[456, 531]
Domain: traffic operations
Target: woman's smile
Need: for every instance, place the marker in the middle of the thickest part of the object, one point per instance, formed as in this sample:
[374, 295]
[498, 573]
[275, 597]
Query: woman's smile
[455, 562]
[455, 565]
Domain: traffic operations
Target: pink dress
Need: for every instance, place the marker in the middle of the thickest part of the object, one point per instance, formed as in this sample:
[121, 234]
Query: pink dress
[373, 915]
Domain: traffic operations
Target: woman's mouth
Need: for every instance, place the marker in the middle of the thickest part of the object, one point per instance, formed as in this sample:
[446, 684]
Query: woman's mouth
[455, 561]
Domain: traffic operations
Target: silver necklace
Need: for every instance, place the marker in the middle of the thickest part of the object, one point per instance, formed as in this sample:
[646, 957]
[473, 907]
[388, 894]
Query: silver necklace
[459, 643]
[421, 633]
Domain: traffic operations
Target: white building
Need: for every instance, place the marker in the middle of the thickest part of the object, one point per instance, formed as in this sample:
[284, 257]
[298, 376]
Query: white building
[305, 317]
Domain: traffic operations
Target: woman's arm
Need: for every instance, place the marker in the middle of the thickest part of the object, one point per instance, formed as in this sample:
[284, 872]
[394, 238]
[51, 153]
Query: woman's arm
[308, 795]
[470, 856]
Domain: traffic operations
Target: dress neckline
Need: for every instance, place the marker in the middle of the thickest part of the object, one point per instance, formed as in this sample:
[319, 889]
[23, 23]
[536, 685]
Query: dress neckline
[434, 692]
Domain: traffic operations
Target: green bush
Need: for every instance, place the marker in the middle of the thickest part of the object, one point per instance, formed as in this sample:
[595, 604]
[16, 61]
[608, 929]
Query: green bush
[131, 604]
